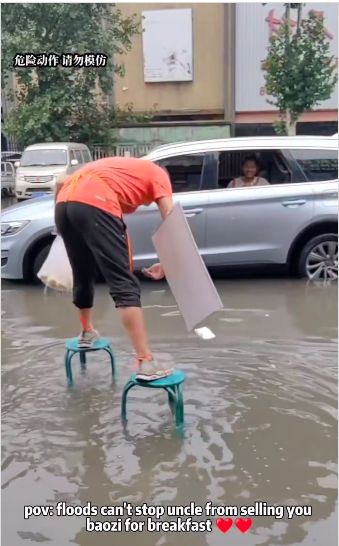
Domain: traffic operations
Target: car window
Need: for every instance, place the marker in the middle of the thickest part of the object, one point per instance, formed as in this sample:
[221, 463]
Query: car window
[78, 156]
[71, 155]
[86, 155]
[316, 165]
[273, 166]
[185, 171]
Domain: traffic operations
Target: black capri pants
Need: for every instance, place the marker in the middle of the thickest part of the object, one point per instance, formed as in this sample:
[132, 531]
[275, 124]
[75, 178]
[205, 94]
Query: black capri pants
[95, 240]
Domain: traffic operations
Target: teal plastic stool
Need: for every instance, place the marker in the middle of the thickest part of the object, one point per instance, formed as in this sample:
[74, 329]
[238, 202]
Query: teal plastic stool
[72, 349]
[172, 384]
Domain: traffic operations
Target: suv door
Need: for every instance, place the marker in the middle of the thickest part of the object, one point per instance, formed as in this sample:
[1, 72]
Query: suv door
[256, 224]
[187, 173]
[320, 168]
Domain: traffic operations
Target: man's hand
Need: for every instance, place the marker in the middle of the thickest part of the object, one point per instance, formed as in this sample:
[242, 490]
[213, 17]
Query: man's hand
[154, 272]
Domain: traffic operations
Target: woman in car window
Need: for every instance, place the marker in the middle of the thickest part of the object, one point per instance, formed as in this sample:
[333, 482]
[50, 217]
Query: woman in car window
[249, 168]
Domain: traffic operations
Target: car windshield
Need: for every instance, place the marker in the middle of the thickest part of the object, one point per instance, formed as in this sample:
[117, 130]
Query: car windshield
[43, 158]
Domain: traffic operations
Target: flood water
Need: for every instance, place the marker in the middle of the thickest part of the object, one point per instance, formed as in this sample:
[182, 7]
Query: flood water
[260, 416]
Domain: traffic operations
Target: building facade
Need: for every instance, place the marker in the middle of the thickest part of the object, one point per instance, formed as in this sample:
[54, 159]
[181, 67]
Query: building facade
[181, 68]
[255, 23]
[197, 67]
[223, 90]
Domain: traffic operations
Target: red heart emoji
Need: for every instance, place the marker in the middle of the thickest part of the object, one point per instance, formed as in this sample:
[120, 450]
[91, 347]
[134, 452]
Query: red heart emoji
[243, 524]
[224, 525]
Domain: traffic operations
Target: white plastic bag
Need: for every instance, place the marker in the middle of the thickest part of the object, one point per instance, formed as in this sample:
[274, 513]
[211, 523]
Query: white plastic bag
[56, 271]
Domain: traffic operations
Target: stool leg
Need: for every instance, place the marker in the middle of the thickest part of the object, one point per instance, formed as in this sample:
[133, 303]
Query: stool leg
[83, 359]
[127, 387]
[111, 355]
[179, 414]
[172, 399]
[68, 358]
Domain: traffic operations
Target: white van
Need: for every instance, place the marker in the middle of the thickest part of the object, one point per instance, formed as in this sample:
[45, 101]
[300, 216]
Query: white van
[41, 165]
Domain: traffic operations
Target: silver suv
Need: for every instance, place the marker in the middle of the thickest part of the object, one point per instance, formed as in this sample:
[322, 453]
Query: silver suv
[292, 220]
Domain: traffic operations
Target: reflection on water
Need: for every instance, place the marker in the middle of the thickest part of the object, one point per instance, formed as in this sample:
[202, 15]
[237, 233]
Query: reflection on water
[260, 411]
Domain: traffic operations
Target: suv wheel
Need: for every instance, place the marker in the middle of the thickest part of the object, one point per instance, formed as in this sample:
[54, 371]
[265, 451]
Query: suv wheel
[318, 259]
[38, 261]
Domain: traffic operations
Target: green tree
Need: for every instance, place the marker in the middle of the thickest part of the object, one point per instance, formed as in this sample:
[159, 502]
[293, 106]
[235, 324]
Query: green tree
[300, 71]
[55, 104]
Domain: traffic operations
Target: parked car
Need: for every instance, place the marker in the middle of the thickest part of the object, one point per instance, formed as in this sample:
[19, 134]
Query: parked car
[41, 164]
[291, 221]
[12, 157]
[7, 178]
[8, 160]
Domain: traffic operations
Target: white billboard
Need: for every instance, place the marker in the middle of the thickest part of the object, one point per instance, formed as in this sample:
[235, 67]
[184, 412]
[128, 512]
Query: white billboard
[254, 25]
[167, 45]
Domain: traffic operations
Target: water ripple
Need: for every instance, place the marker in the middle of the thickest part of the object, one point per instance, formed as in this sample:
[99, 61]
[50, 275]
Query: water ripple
[260, 414]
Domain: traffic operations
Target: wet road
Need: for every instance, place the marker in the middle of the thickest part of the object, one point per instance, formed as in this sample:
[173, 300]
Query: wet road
[260, 411]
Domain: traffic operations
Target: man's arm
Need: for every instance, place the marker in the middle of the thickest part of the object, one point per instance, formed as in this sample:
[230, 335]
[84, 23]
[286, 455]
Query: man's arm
[58, 187]
[165, 205]
[59, 183]
[156, 272]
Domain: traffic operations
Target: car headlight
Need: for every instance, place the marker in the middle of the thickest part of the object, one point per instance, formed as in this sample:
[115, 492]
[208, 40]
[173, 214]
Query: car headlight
[11, 228]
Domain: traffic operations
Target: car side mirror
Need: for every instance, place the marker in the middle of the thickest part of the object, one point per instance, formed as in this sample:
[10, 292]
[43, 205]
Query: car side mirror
[17, 164]
[74, 162]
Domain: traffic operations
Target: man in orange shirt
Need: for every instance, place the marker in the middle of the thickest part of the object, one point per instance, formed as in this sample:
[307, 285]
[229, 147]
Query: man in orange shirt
[89, 208]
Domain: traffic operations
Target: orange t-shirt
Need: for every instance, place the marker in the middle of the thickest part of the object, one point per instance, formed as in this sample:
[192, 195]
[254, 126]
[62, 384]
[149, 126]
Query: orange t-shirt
[116, 185]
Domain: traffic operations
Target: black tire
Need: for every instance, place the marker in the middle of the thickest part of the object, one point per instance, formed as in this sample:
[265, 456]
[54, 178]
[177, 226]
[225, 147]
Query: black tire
[301, 266]
[38, 260]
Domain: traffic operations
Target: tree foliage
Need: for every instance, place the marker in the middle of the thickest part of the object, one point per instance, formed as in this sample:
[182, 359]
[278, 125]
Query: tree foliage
[64, 103]
[300, 70]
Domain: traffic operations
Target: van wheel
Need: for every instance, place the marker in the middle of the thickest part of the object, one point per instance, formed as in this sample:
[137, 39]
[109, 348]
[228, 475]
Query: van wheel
[318, 260]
